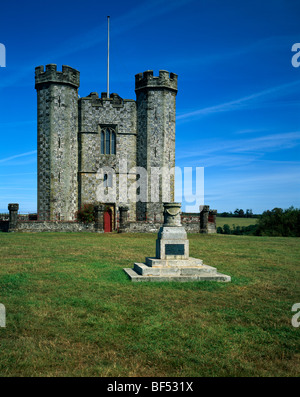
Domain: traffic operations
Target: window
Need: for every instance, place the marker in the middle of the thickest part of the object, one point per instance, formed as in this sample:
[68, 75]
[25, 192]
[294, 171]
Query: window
[107, 180]
[102, 142]
[108, 141]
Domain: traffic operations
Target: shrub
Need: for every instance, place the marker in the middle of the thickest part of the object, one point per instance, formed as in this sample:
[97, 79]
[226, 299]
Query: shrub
[86, 213]
[238, 230]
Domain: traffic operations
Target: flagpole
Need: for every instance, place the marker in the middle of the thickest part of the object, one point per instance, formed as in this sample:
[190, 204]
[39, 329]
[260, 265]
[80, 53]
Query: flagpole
[108, 57]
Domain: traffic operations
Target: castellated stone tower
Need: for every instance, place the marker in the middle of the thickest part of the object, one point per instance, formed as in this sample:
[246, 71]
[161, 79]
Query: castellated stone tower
[94, 149]
[156, 136]
[57, 104]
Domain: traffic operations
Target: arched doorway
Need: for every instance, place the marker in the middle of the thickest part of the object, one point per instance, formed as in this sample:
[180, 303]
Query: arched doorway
[107, 220]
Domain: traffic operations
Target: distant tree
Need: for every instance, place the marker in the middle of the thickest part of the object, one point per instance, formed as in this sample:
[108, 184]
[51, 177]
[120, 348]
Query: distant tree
[236, 212]
[224, 214]
[279, 222]
[249, 214]
[241, 213]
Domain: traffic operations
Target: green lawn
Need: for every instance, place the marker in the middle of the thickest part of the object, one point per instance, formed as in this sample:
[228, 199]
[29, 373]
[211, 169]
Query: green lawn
[221, 221]
[72, 311]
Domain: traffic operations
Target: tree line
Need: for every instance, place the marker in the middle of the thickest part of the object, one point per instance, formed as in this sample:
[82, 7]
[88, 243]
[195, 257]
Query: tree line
[277, 222]
[238, 213]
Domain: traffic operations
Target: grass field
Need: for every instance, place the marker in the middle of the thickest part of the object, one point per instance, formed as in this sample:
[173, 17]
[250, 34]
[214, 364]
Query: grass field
[221, 221]
[72, 311]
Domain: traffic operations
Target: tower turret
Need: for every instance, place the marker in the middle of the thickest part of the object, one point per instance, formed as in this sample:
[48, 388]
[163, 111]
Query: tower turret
[57, 106]
[156, 108]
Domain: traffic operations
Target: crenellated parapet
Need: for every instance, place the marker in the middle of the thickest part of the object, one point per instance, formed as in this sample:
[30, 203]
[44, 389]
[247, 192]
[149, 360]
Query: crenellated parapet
[67, 76]
[165, 80]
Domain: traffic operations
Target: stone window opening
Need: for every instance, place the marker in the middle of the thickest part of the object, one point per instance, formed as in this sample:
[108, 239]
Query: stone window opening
[107, 180]
[108, 141]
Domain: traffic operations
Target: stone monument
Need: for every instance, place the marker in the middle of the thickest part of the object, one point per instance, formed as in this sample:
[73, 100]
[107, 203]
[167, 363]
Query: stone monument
[172, 261]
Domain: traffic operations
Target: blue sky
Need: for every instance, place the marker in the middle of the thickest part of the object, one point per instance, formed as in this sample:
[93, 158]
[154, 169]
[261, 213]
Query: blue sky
[238, 99]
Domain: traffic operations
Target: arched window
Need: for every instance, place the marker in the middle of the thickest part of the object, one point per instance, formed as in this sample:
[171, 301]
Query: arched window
[107, 180]
[108, 141]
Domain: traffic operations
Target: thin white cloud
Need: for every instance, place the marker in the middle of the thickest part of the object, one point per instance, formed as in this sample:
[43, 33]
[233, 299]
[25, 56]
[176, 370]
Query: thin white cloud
[266, 45]
[249, 131]
[16, 123]
[240, 103]
[16, 188]
[270, 142]
[267, 142]
[262, 179]
[17, 156]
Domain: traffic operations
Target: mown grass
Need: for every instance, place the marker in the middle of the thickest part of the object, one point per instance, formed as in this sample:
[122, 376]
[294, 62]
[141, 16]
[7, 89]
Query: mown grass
[72, 311]
[221, 221]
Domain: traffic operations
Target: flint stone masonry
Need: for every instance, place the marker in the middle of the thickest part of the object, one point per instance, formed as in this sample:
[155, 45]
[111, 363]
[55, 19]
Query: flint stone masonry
[57, 94]
[173, 265]
[73, 171]
[69, 141]
[13, 216]
[46, 226]
[31, 223]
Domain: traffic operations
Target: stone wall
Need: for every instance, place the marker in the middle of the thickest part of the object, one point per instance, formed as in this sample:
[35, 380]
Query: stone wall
[45, 226]
[121, 220]
[191, 222]
[60, 226]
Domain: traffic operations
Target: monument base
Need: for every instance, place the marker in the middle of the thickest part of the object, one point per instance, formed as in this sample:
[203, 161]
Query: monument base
[172, 261]
[190, 269]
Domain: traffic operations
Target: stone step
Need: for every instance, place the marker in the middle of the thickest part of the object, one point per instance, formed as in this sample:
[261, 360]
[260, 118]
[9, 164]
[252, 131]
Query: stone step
[144, 270]
[190, 262]
[134, 276]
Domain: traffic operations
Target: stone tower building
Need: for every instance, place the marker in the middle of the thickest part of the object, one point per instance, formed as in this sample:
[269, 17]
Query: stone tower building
[93, 150]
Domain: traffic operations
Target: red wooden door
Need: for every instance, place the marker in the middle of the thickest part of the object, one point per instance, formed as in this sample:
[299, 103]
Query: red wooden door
[107, 221]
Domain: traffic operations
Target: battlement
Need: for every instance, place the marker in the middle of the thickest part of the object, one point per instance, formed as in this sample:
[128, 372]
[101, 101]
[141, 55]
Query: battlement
[68, 75]
[163, 80]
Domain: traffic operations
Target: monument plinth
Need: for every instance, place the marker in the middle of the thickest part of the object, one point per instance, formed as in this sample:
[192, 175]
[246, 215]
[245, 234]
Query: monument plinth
[172, 261]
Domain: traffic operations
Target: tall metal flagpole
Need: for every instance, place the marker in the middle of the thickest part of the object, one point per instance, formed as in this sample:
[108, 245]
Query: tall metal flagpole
[108, 57]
